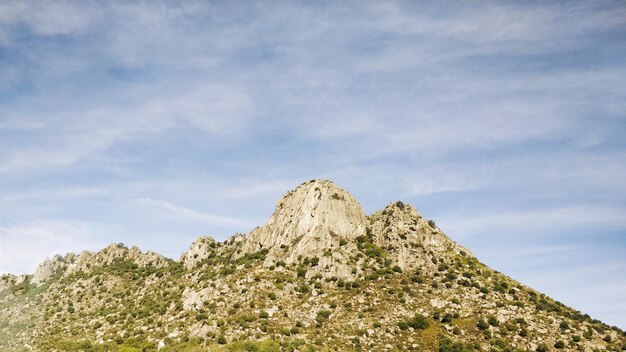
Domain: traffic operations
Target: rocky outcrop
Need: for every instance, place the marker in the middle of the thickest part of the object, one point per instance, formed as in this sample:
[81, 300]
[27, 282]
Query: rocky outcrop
[322, 221]
[198, 251]
[410, 240]
[49, 267]
[86, 261]
[314, 218]
[6, 281]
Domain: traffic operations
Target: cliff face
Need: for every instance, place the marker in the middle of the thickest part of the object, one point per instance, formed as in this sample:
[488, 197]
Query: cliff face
[320, 275]
[315, 220]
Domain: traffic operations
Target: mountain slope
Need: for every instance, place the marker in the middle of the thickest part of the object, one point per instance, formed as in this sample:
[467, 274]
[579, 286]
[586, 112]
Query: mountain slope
[319, 276]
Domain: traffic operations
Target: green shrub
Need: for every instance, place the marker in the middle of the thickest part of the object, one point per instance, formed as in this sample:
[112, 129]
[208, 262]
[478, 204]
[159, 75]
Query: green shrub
[445, 345]
[253, 346]
[322, 316]
[336, 196]
[302, 272]
[559, 344]
[417, 279]
[418, 322]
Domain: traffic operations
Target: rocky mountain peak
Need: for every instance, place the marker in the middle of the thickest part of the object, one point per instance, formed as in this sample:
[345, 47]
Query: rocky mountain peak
[315, 216]
[318, 204]
[323, 222]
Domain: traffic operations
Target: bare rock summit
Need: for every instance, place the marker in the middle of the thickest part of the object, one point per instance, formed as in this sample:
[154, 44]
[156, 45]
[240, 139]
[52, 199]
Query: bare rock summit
[314, 217]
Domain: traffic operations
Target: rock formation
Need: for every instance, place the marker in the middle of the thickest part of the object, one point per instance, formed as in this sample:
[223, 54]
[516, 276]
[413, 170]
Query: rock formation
[320, 275]
[315, 218]
[7, 281]
[322, 221]
[199, 250]
[46, 269]
[86, 261]
[411, 240]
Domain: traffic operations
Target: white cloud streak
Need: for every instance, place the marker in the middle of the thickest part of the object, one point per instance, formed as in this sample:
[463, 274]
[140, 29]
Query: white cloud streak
[23, 246]
[539, 221]
[193, 214]
[213, 108]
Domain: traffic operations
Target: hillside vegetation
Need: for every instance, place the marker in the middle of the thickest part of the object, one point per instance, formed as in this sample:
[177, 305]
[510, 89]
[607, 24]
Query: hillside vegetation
[320, 276]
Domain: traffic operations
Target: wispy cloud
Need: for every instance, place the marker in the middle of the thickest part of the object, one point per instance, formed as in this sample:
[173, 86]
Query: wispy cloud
[23, 246]
[255, 188]
[212, 108]
[193, 214]
[495, 118]
[541, 221]
[58, 194]
[432, 186]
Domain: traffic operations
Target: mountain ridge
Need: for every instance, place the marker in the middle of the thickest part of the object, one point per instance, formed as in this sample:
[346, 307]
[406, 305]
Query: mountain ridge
[403, 284]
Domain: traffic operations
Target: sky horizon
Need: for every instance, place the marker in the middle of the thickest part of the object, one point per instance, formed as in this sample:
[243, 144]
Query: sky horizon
[153, 123]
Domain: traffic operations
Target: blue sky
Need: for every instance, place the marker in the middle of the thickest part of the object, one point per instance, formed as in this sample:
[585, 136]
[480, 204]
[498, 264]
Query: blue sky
[153, 123]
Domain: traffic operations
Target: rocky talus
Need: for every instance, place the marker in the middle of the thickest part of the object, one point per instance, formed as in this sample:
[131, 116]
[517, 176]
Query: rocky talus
[320, 275]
